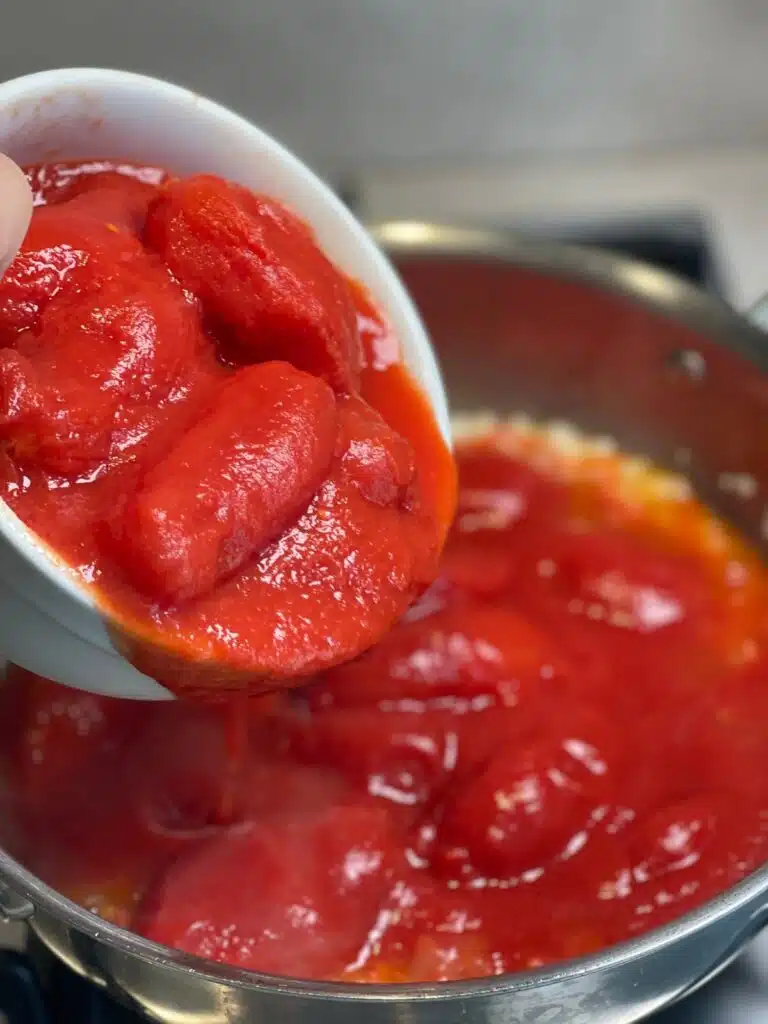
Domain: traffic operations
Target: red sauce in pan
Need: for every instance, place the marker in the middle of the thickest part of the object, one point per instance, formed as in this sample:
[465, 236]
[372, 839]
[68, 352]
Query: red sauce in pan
[562, 745]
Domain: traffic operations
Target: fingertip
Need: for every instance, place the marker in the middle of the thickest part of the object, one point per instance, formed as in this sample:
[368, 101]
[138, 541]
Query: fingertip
[15, 209]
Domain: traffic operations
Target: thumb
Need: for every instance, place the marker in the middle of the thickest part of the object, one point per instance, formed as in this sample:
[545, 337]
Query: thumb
[15, 209]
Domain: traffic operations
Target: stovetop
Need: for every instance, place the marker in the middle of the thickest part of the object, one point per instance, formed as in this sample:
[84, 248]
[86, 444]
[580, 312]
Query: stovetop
[37, 989]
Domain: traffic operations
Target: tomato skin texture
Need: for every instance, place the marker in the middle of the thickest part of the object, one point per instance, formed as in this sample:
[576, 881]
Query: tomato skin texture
[102, 354]
[325, 590]
[379, 461]
[313, 885]
[146, 438]
[232, 484]
[502, 502]
[675, 837]
[528, 802]
[58, 246]
[114, 200]
[467, 652]
[403, 765]
[259, 271]
[627, 585]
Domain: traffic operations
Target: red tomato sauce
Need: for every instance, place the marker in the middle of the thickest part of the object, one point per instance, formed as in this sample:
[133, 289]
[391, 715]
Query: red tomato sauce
[212, 427]
[562, 745]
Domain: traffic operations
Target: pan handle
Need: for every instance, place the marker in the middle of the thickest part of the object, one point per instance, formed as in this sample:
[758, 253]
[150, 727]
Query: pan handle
[14, 907]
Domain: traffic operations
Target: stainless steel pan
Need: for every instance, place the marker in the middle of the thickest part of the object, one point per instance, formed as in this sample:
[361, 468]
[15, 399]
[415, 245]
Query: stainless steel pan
[612, 346]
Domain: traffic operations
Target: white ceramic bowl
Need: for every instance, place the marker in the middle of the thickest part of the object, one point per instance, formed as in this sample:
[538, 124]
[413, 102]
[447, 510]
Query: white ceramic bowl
[48, 623]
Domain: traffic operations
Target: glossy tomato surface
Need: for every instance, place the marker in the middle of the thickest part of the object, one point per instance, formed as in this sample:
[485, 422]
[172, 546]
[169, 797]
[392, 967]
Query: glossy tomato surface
[563, 744]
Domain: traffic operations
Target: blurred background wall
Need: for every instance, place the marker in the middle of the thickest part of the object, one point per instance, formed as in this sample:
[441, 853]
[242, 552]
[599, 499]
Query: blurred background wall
[482, 110]
[354, 83]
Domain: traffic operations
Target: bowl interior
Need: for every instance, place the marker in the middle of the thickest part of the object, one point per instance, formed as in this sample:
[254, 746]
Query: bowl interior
[98, 113]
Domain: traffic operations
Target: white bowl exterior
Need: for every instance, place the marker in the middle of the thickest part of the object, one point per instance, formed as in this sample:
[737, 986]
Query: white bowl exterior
[48, 623]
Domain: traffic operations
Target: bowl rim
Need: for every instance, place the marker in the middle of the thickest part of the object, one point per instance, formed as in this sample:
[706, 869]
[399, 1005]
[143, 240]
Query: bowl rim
[654, 289]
